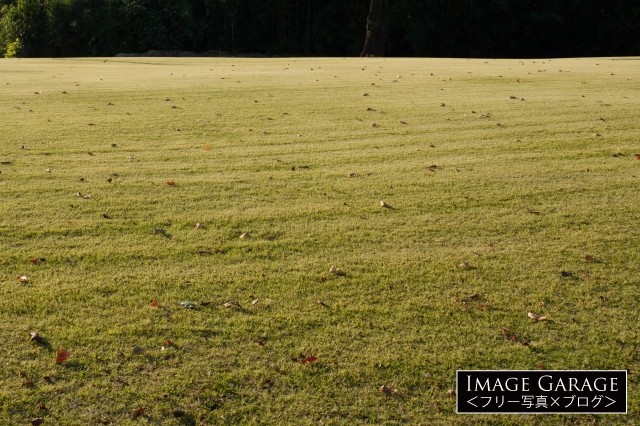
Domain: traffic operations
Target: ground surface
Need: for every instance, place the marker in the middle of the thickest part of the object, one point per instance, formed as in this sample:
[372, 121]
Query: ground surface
[514, 188]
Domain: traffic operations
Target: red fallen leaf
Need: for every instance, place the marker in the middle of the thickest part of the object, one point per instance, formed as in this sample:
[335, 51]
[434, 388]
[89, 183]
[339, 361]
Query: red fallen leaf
[155, 304]
[637, 156]
[171, 183]
[62, 356]
[308, 360]
[138, 412]
[168, 342]
[27, 382]
[37, 260]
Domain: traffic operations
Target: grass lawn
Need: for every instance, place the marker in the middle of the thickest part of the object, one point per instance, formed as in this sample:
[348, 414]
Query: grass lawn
[126, 185]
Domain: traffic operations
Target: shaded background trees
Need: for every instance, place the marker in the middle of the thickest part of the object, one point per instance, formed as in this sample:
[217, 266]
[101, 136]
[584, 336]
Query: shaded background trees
[459, 28]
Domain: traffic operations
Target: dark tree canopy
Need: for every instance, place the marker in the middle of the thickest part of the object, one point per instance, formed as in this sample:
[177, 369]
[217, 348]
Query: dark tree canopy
[460, 28]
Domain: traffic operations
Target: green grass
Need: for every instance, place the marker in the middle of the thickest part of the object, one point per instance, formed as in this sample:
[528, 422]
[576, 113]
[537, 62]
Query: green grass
[524, 189]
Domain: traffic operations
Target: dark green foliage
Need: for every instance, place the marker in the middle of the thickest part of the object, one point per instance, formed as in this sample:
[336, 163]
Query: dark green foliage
[461, 28]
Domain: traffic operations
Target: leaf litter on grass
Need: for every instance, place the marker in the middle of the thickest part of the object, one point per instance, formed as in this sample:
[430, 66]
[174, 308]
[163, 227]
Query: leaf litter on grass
[404, 259]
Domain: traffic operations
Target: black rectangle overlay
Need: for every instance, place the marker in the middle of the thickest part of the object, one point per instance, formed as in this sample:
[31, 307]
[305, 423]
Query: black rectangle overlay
[541, 391]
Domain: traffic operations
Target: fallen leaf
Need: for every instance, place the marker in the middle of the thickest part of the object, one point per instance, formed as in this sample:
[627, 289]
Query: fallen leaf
[155, 304]
[254, 302]
[637, 156]
[432, 168]
[138, 412]
[385, 205]
[22, 279]
[513, 338]
[308, 360]
[189, 305]
[374, 125]
[592, 259]
[353, 174]
[37, 421]
[388, 391]
[35, 337]
[62, 356]
[465, 266]
[245, 236]
[231, 304]
[536, 317]
[451, 393]
[336, 271]
[27, 382]
[403, 122]
[160, 231]
[171, 183]
[168, 342]
[199, 226]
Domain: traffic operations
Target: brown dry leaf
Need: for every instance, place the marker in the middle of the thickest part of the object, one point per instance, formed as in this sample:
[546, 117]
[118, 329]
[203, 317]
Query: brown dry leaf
[536, 317]
[336, 271]
[138, 412]
[155, 304]
[35, 337]
[433, 168]
[388, 391]
[385, 205]
[353, 174]
[245, 236]
[451, 393]
[592, 259]
[465, 266]
[62, 356]
[159, 231]
[27, 382]
[171, 183]
[22, 279]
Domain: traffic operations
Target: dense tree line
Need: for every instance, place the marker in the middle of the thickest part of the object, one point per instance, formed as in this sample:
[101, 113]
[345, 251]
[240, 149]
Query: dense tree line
[457, 28]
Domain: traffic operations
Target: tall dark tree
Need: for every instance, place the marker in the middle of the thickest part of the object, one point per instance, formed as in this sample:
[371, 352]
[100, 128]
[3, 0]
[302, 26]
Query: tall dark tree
[375, 42]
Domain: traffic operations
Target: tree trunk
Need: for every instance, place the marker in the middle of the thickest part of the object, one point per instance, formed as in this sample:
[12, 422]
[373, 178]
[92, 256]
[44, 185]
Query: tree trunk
[375, 42]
